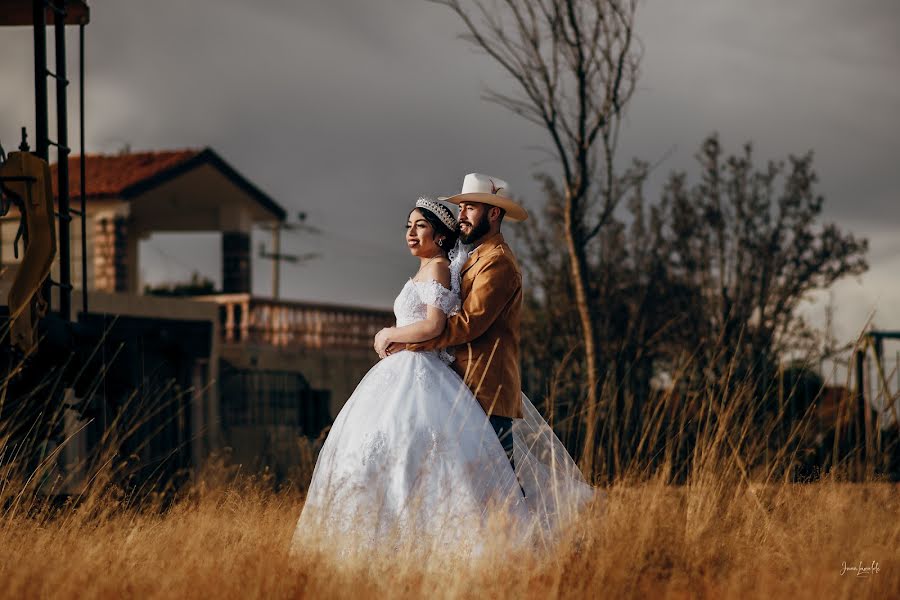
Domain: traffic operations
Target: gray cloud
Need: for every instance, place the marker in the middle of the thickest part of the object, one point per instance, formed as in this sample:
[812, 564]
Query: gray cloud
[349, 110]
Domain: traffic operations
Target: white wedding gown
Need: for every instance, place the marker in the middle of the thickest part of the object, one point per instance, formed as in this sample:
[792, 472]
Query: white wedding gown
[412, 460]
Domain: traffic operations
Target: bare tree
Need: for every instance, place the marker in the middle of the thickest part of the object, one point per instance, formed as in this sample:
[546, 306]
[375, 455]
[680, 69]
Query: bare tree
[750, 240]
[576, 66]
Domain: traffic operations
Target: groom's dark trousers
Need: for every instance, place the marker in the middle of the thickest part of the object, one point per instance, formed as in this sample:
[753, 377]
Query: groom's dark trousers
[503, 428]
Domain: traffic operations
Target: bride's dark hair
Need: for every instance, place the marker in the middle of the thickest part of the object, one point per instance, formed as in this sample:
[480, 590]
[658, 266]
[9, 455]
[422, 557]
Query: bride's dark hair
[439, 227]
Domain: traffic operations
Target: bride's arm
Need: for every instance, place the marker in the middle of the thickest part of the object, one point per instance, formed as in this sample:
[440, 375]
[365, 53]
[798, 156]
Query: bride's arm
[431, 326]
[419, 331]
[496, 285]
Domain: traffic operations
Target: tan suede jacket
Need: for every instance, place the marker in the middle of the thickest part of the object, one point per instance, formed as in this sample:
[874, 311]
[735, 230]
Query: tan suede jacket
[485, 334]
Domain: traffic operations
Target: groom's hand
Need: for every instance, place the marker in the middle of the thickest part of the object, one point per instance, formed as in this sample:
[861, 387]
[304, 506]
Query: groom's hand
[394, 347]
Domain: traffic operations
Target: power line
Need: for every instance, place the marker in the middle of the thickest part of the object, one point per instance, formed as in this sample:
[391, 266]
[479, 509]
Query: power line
[170, 258]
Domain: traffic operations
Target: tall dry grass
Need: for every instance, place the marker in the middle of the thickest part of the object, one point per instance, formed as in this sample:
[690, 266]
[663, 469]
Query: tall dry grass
[653, 540]
[728, 532]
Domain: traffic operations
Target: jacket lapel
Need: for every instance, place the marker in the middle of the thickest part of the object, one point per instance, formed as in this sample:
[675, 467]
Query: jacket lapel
[487, 246]
[469, 264]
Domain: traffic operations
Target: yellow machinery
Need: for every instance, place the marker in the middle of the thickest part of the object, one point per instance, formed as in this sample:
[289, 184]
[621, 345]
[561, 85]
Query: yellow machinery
[26, 181]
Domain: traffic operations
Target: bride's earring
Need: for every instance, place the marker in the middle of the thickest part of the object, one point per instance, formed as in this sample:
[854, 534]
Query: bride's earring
[441, 242]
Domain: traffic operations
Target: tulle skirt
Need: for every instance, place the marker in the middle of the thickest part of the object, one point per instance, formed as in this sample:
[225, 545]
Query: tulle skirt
[412, 461]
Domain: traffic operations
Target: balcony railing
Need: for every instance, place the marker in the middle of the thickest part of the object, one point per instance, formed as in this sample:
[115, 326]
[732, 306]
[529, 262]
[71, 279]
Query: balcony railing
[248, 320]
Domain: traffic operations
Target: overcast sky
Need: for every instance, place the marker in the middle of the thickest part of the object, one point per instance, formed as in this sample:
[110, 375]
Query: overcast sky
[350, 109]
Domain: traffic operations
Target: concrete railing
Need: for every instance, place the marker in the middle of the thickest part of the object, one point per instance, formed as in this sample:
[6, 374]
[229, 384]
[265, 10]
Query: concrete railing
[246, 319]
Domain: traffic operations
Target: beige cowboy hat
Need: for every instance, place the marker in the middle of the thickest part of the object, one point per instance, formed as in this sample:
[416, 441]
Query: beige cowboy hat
[488, 190]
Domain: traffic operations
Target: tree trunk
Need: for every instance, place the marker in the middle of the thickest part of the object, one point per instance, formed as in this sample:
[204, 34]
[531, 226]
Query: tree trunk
[578, 266]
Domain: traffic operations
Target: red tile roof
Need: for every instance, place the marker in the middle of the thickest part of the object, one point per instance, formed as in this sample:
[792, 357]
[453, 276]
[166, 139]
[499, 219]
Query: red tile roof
[128, 175]
[108, 176]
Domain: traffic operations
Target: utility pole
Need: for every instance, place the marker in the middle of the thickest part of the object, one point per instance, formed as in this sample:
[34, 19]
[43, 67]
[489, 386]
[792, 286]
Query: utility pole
[276, 255]
[276, 259]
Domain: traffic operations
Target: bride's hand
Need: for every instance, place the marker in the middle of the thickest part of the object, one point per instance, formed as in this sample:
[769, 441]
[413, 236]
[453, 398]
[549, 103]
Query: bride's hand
[382, 340]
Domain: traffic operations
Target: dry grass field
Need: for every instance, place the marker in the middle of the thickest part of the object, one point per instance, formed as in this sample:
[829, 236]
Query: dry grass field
[726, 533]
[712, 539]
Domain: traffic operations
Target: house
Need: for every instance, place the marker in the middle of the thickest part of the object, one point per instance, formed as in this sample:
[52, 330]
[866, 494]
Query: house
[258, 372]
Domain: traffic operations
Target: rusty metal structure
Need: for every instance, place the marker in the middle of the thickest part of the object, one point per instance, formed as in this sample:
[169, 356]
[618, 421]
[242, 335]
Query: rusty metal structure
[876, 422]
[39, 14]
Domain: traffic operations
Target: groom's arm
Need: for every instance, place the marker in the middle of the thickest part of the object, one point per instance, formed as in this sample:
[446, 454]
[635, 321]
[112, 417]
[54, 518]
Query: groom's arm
[494, 286]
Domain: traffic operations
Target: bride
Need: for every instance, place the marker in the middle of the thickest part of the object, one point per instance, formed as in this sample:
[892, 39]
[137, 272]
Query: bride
[412, 459]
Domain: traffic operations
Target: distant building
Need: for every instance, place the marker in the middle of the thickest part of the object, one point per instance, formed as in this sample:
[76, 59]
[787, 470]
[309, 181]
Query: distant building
[271, 370]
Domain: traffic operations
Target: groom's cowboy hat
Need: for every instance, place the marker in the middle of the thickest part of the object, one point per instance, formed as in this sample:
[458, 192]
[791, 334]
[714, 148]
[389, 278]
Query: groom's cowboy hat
[488, 190]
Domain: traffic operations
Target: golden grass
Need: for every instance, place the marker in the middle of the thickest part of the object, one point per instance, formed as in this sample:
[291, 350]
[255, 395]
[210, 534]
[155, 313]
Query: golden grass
[654, 540]
[730, 532]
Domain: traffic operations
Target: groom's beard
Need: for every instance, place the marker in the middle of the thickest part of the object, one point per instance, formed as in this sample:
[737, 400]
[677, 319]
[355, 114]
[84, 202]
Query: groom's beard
[478, 230]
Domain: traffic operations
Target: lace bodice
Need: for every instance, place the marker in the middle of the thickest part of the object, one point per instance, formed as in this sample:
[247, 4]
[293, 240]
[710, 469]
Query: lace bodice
[411, 305]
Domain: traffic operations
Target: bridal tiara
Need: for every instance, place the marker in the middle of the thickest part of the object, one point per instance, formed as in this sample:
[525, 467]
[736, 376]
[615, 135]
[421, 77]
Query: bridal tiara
[440, 211]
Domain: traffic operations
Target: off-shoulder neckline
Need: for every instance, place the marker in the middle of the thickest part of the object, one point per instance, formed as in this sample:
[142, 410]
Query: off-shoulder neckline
[448, 288]
[431, 281]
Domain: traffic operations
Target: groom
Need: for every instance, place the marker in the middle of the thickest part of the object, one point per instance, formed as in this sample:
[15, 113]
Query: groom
[485, 333]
